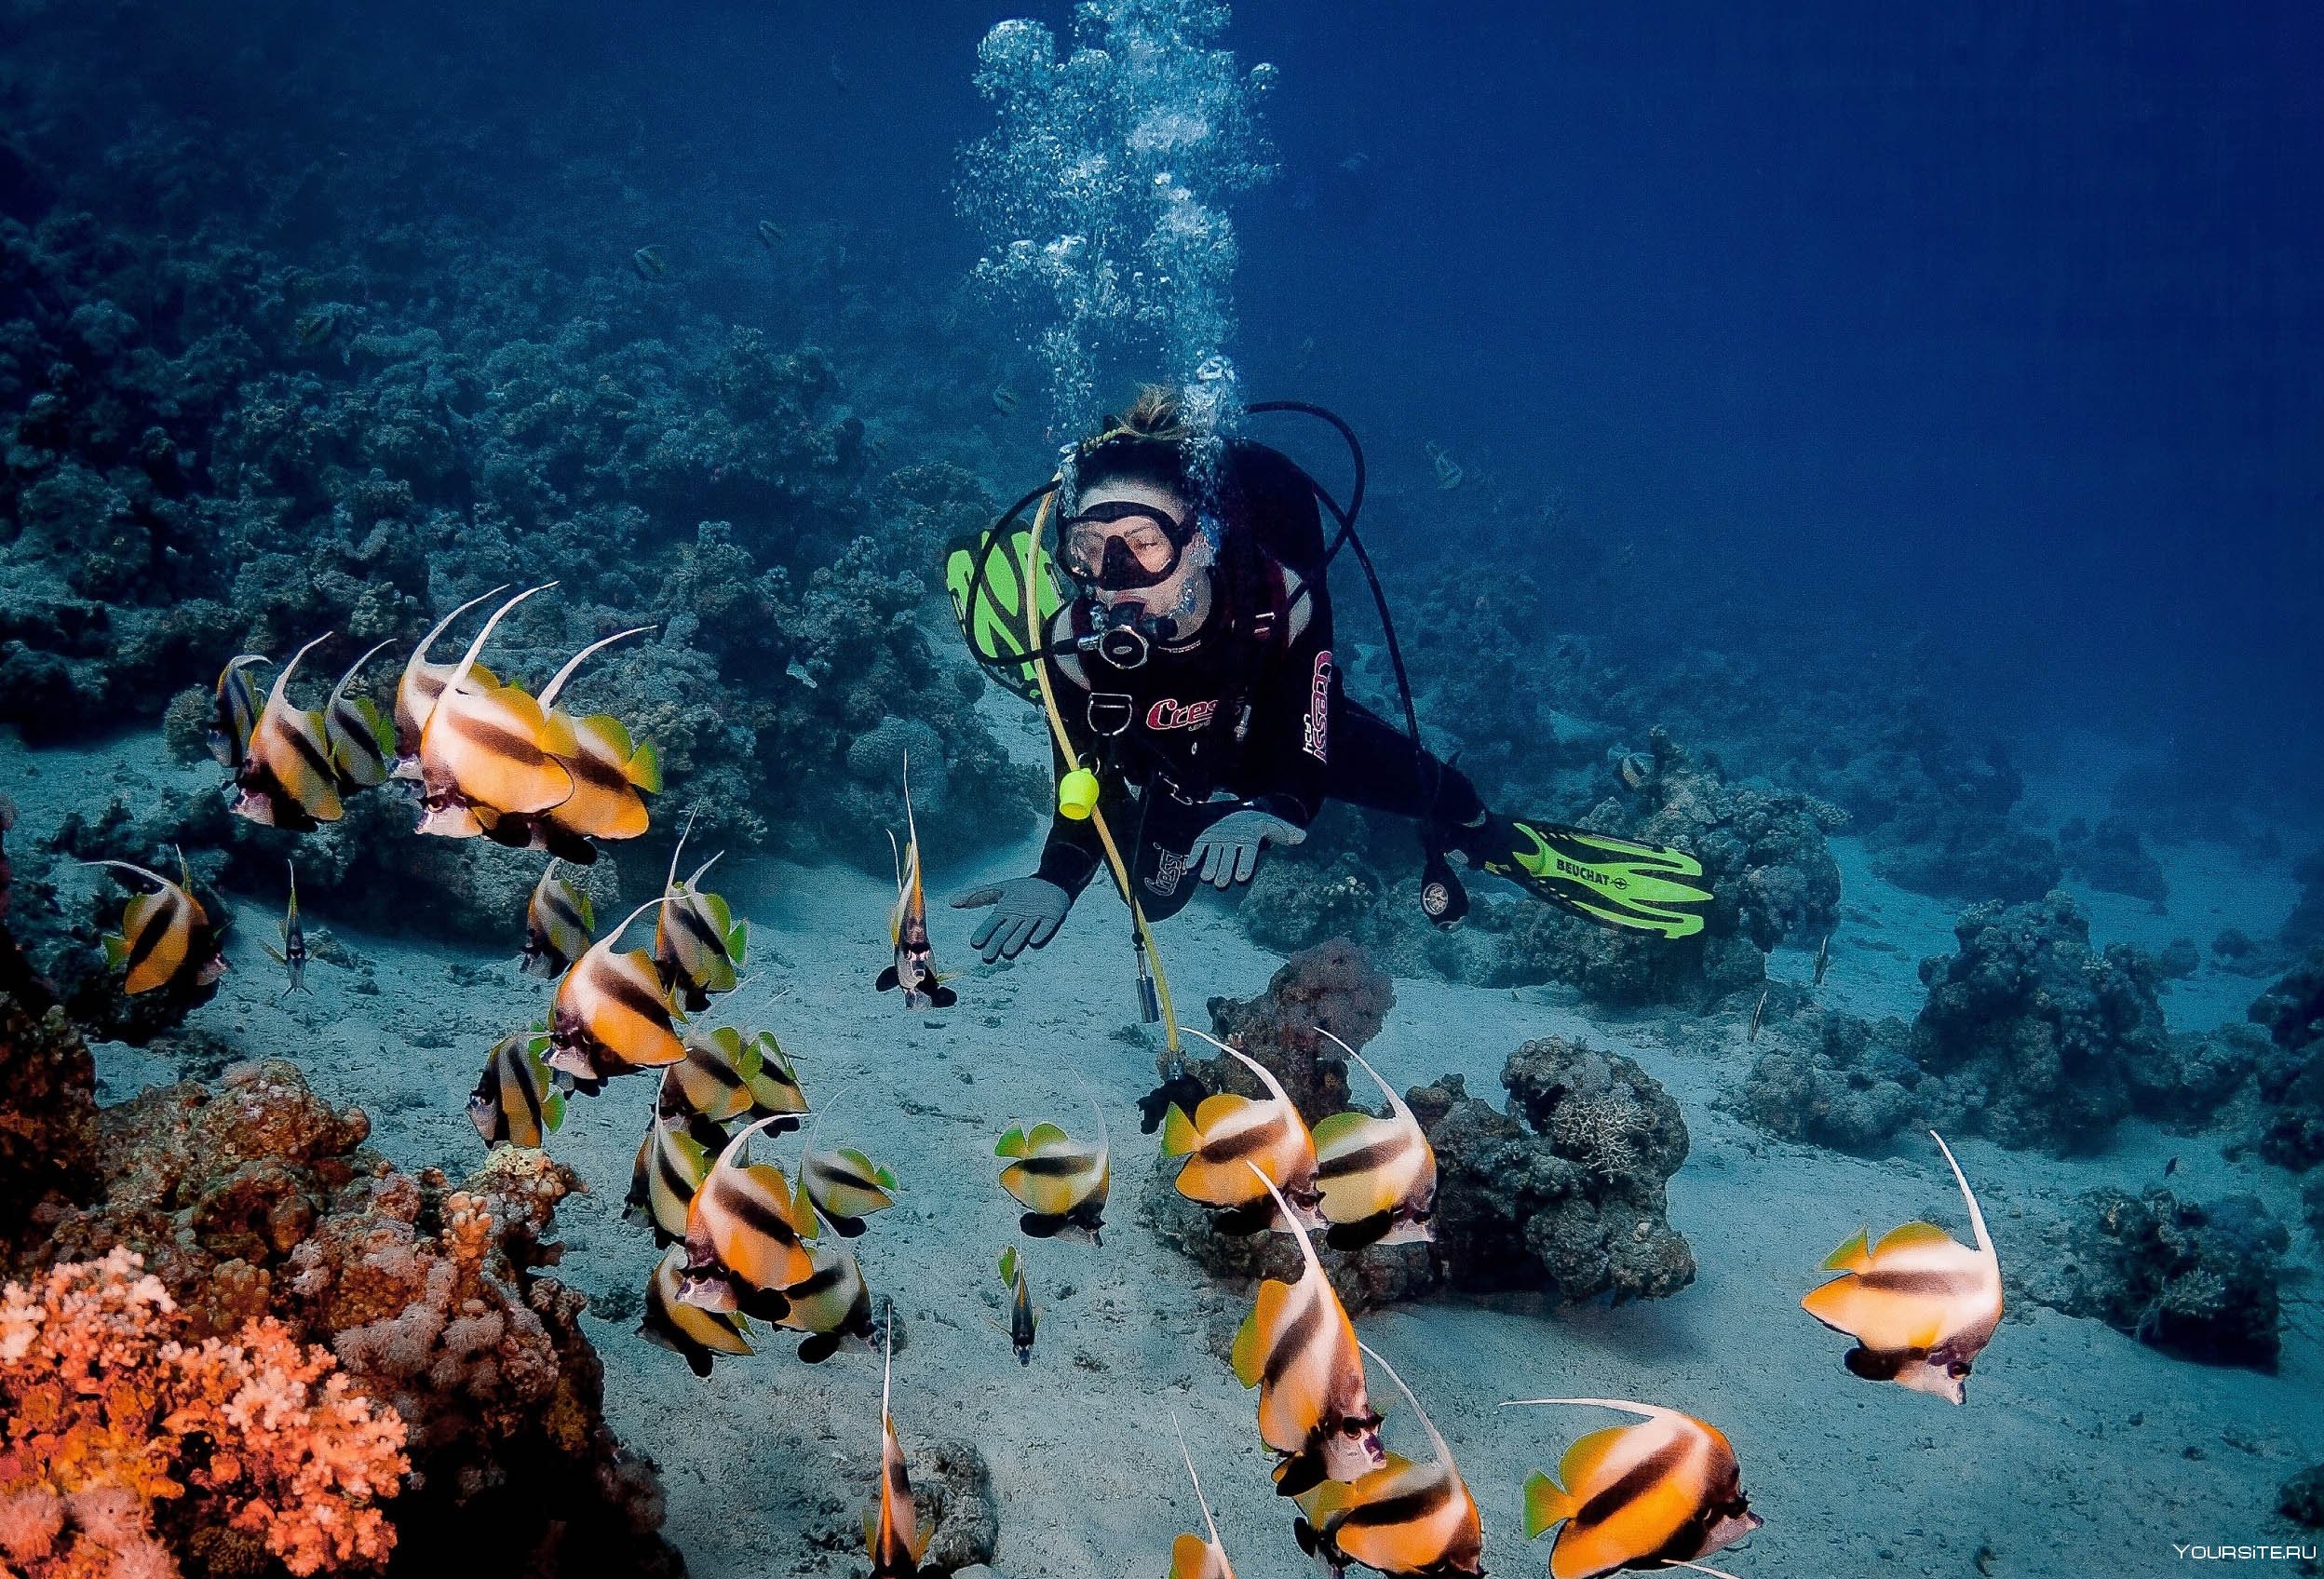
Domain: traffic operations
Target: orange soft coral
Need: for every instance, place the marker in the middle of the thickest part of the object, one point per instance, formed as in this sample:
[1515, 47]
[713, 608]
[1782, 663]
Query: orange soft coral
[101, 1407]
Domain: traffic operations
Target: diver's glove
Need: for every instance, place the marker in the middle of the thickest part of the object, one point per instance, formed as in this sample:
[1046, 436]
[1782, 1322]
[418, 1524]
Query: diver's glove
[1026, 913]
[1227, 852]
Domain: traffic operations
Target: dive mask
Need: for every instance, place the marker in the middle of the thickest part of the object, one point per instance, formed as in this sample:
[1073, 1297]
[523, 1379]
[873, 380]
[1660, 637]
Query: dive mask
[1120, 546]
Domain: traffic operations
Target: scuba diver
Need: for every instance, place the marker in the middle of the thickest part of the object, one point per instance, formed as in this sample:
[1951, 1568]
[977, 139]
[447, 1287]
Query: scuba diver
[1193, 666]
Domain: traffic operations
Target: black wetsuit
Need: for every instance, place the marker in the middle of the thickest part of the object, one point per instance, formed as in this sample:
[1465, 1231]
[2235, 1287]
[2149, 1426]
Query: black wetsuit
[1253, 708]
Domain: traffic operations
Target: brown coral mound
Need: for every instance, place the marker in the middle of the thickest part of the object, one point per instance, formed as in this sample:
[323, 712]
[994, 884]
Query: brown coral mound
[1565, 1193]
[256, 1202]
[106, 1412]
[1333, 985]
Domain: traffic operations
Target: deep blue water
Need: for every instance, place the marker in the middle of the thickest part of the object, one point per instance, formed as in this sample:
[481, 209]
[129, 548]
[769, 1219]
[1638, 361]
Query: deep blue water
[1996, 324]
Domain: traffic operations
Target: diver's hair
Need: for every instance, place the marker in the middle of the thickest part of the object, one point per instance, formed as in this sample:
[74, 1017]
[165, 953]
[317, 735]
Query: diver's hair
[1147, 443]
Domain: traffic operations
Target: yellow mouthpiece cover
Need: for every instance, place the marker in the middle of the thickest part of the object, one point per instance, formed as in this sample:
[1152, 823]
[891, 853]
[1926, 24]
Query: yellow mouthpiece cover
[1077, 794]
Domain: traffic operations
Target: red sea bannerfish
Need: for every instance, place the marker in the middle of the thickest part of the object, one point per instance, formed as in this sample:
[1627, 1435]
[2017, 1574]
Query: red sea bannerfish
[1665, 1493]
[697, 942]
[1061, 1183]
[1377, 1177]
[747, 1230]
[697, 1335]
[165, 938]
[1191, 1555]
[360, 740]
[234, 710]
[484, 748]
[422, 682]
[286, 779]
[892, 1530]
[1920, 1304]
[913, 967]
[611, 1014]
[1299, 1349]
[1226, 1132]
[1403, 1517]
[607, 770]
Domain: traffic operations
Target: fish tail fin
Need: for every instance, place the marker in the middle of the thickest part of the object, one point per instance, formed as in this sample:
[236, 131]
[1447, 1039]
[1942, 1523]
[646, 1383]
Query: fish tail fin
[1179, 1135]
[1547, 1504]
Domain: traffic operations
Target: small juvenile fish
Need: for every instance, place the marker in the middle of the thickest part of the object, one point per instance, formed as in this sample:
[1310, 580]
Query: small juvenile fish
[1823, 959]
[1228, 1131]
[746, 1234]
[1021, 1320]
[1005, 399]
[360, 739]
[1449, 473]
[515, 1105]
[166, 937]
[1299, 1349]
[291, 956]
[698, 1335]
[611, 1014]
[771, 235]
[1664, 1491]
[1060, 1183]
[893, 1532]
[913, 969]
[315, 327]
[1758, 1011]
[649, 263]
[673, 1161]
[2171, 1168]
[1401, 1518]
[234, 709]
[697, 942]
[556, 922]
[1920, 1304]
[286, 779]
[1634, 768]
[726, 1075]
[1377, 1176]
[1191, 1555]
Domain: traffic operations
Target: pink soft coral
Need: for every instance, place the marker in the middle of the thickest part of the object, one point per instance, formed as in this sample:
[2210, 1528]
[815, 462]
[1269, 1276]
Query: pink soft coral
[99, 1399]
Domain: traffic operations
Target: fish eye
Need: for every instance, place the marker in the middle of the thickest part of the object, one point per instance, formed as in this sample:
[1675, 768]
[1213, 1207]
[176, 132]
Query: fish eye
[1957, 1368]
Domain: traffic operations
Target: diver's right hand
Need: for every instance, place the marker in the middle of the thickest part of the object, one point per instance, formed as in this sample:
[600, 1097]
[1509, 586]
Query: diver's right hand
[1026, 913]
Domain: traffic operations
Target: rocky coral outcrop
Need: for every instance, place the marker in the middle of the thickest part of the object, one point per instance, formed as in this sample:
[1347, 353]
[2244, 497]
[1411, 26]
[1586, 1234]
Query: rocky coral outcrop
[1332, 987]
[1563, 1193]
[2291, 1075]
[256, 1203]
[2201, 1281]
[2111, 856]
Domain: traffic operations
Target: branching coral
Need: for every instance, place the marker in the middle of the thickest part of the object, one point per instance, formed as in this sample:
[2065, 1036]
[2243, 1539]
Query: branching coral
[99, 1394]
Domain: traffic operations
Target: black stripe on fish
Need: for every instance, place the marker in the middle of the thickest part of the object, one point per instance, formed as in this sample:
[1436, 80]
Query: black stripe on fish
[1406, 1508]
[556, 907]
[1365, 1158]
[486, 736]
[315, 756]
[1296, 1336]
[1634, 1483]
[596, 771]
[1058, 1167]
[698, 928]
[1919, 1282]
[159, 924]
[821, 1282]
[618, 985]
[844, 1173]
[1259, 1137]
[757, 1215]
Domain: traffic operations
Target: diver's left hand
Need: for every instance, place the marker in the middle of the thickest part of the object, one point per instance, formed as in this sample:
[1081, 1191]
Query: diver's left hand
[1227, 852]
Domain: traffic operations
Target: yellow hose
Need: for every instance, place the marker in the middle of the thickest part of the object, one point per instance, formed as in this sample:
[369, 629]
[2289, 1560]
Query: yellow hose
[1037, 639]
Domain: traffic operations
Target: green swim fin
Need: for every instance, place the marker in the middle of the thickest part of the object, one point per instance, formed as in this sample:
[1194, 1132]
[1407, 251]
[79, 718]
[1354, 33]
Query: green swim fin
[1616, 881]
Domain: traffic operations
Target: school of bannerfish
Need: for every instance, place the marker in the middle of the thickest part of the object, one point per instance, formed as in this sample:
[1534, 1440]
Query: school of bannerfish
[745, 1240]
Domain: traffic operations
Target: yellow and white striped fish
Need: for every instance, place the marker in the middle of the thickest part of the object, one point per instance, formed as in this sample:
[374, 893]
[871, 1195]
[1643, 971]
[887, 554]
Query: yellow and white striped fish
[1061, 1183]
[1666, 1491]
[610, 1015]
[1299, 1349]
[484, 748]
[360, 740]
[556, 922]
[515, 1105]
[1920, 1304]
[697, 942]
[1402, 1518]
[892, 1532]
[609, 769]
[165, 938]
[673, 1159]
[1228, 1131]
[1377, 1176]
[699, 1335]
[422, 681]
[746, 1236]
[286, 779]
[726, 1075]
[234, 709]
[831, 1305]
[846, 1187]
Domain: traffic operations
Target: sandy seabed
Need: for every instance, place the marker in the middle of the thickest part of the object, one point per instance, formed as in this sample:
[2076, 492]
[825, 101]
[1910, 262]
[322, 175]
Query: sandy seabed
[2079, 1453]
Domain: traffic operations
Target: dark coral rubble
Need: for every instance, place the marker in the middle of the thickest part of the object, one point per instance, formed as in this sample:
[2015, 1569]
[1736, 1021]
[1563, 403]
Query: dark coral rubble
[2199, 1280]
[1564, 1192]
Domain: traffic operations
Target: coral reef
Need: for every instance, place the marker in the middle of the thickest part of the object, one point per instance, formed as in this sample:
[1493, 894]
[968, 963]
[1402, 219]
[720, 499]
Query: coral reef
[1564, 1192]
[2197, 1281]
[2304, 927]
[2113, 857]
[47, 1106]
[255, 1204]
[2289, 1079]
[2302, 1498]
[2037, 1033]
[109, 1406]
[1833, 1079]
